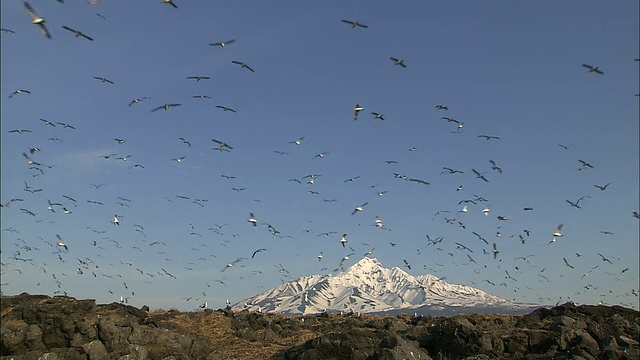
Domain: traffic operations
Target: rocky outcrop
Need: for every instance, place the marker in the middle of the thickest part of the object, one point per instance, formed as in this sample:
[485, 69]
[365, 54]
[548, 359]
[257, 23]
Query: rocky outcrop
[42, 327]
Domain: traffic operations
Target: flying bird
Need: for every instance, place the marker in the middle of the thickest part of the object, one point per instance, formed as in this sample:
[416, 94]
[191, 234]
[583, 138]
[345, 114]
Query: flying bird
[356, 111]
[593, 69]
[165, 107]
[584, 165]
[489, 137]
[61, 243]
[399, 62]
[479, 175]
[257, 251]
[222, 146]
[198, 78]
[103, 79]
[78, 33]
[441, 107]
[37, 20]
[343, 240]
[225, 108]
[494, 166]
[297, 141]
[170, 2]
[243, 65]
[359, 208]
[252, 220]
[567, 263]
[19, 92]
[602, 187]
[222, 43]
[354, 24]
[495, 251]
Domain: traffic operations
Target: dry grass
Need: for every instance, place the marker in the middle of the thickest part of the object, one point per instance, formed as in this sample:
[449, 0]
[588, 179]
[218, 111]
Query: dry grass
[218, 335]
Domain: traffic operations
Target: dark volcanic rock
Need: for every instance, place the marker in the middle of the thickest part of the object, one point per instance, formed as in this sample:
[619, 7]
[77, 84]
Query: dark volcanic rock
[42, 327]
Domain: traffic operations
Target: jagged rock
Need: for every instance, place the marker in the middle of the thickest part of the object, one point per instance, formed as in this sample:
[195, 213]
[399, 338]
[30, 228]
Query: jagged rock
[96, 350]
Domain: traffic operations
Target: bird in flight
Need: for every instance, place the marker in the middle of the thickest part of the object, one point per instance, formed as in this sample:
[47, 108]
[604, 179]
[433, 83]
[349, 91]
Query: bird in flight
[137, 100]
[377, 116]
[222, 43]
[78, 33]
[479, 175]
[20, 131]
[19, 92]
[343, 240]
[399, 62]
[103, 79]
[602, 187]
[297, 141]
[359, 208]
[577, 202]
[354, 24]
[593, 69]
[584, 165]
[441, 107]
[489, 137]
[356, 111]
[222, 146]
[198, 78]
[8, 31]
[494, 166]
[37, 20]
[165, 107]
[257, 251]
[252, 219]
[225, 108]
[495, 251]
[61, 243]
[243, 65]
[185, 141]
[170, 2]
[567, 263]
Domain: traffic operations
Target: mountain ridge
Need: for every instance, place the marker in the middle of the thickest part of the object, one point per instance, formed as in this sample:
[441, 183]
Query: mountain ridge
[368, 287]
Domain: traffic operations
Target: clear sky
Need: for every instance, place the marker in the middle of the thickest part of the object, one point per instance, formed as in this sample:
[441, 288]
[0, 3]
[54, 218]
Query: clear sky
[505, 69]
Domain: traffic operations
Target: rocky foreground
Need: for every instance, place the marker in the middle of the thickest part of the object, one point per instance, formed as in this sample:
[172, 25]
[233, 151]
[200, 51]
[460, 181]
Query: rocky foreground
[42, 327]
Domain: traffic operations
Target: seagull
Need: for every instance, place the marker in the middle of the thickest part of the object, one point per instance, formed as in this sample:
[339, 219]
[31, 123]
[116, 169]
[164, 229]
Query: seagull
[65, 125]
[406, 264]
[343, 240]
[201, 97]
[37, 20]
[232, 263]
[20, 131]
[19, 92]
[165, 107]
[354, 24]
[356, 111]
[120, 141]
[78, 33]
[170, 2]
[320, 256]
[593, 69]
[602, 187]
[441, 107]
[495, 251]
[243, 65]
[489, 137]
[198, 78]
[137, 100]
[605, 259]
[377, 116]
[185, 141]
[222, 43]
[298, 141]
[567, 263]
[257, 251]
[398, 62]
[575, 204]
[556, 233]
[359, 208]
[103, 79]
[252, 219]
[8, 31]
[378, 222]
[225, 108]
[29, 161]
[479, 175]
[222, 146]
[61, 243]
[179, 160]
[450, 171]
[584, 165]
[494, 166]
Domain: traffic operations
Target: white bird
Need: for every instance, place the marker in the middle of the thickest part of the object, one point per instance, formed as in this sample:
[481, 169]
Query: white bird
[116, 220]
[320, 256]
[556, 233]
[37, 20]
[379, 223]
[343, 240]
[252, 219]
[61, 243]
[359, 208]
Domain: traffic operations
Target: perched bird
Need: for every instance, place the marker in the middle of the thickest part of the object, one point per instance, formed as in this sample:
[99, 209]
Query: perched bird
[354, 24]
[78, 33]
[222, 43]
[399, 62]
[242, 65]
[593, 69]
[37, 20]
[165, 107]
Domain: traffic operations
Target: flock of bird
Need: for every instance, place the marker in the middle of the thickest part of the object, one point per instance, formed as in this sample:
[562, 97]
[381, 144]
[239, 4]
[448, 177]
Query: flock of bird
[54, 258]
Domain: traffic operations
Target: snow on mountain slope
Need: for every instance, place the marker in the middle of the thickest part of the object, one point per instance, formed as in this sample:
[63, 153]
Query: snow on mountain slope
[366, 287]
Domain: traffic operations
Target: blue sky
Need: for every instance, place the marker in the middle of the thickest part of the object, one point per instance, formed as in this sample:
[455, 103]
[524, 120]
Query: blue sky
[503, 69]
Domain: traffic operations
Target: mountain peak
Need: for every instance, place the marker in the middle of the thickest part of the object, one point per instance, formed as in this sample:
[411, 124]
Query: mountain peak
[367, 286]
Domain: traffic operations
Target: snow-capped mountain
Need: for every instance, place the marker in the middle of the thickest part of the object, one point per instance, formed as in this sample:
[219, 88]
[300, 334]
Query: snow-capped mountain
[368, 287]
